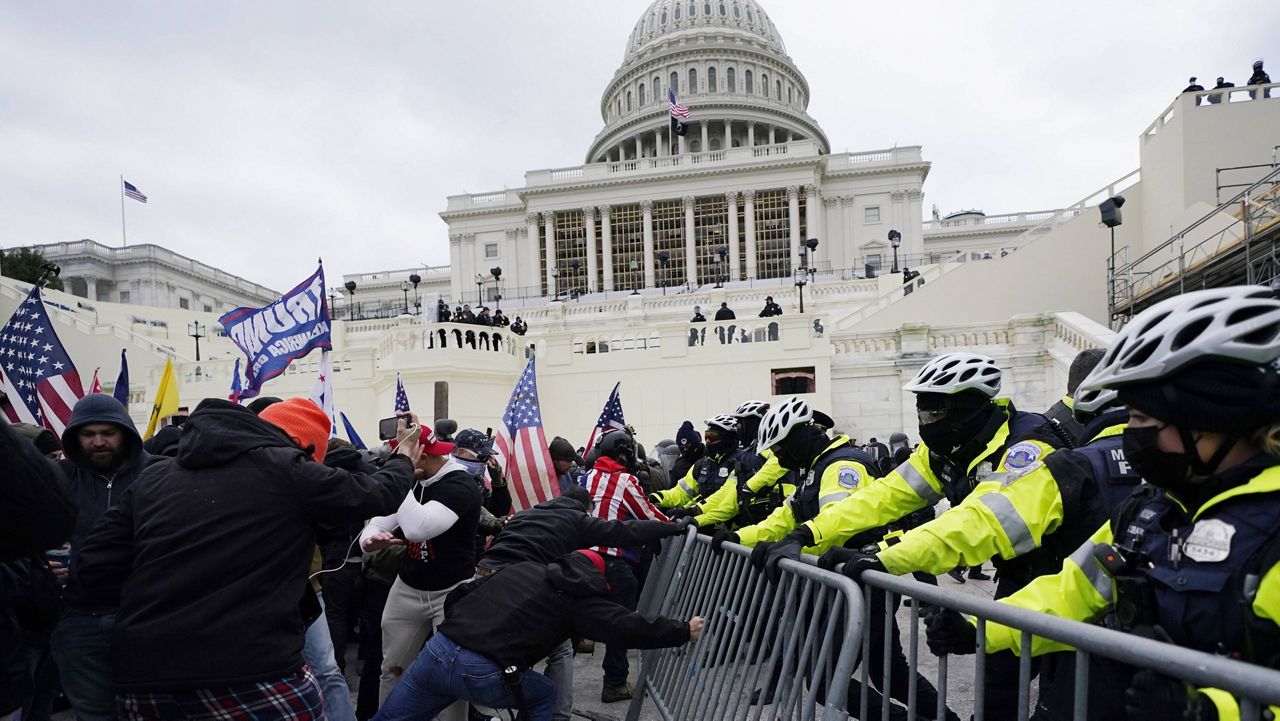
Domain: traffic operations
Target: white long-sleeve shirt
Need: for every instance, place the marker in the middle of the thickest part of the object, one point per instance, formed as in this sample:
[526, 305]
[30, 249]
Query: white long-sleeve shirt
[419, 521]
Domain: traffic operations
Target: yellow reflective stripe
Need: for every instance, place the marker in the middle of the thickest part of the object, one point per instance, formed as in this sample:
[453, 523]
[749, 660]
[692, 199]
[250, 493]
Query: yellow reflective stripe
[1223, 702]
[916, 481]
[832, 498]
[1097, 575]
[1014, 526]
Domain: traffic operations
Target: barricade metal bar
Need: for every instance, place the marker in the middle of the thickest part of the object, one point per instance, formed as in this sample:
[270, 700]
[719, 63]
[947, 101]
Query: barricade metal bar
[866, 654]
[781, 598]
[1024, 678]
[1251, 684]
[691, 670]
[688, 595]
[887, 656]
[770, 667]
[722, 613]
[655, 599]
[941, 711]
[796, 691]
[980, 672]
[822, 672]
[912, 681]
[1080, 695]
[789, 651]
[757, 637]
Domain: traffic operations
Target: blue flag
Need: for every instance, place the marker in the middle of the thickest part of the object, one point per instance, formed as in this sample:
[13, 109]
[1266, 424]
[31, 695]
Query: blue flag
[274, 336]
[351, 432]
[121, 391]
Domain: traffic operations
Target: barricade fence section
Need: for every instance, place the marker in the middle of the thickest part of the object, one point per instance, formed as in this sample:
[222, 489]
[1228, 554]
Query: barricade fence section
[782, 650]
[789, 650]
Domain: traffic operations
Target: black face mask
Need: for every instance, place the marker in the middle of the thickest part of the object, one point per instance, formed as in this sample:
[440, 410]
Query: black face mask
[947, 435]
[1170, 471]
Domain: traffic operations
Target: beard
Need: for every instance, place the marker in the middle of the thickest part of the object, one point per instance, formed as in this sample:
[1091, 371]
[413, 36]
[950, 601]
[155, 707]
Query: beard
[106, 459]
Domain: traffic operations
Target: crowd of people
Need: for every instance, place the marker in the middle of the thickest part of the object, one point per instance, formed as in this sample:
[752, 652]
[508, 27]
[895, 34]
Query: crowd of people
[1259, 77]
[492, 318]
[217, 570]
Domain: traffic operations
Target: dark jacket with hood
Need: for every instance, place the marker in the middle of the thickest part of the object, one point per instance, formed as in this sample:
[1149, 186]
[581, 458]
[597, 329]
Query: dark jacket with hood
[95, 491]
[550, 530]
[208, 553]
[517, 617]
[337, 543]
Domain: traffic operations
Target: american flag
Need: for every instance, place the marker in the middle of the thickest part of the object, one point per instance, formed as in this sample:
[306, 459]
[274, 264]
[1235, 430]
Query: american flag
[402, 400]
[610, 417]
[95, 386]
[677, 110]
[132, 191]
[524, 445]
[38, 378]
[322, 392]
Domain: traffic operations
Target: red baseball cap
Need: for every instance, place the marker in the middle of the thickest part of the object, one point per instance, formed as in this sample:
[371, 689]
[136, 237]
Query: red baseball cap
[433, 446]
[595, 558]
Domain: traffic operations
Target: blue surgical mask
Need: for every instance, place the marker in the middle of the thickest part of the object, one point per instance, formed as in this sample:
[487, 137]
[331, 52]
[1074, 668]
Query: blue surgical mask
[475, 468]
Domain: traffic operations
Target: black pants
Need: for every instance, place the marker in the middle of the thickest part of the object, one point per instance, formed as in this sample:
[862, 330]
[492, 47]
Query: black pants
[900, 679]
[1001, 685]
[373, 598]
[624, 589]
[339, 589]
[1108, 680]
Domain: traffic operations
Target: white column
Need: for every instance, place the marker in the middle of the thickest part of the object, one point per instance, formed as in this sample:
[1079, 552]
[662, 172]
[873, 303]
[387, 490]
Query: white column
[751, 134]
[690, 244]
[772, 136]
[647, 207]
[749, 227]
[639, 147]
[589, 225]
[728, 135]
[812, 211]
[531, 240]
[606, 240]
[732, 200]
[549, 222]
[704, 145]
[657, 142]
[793, 214]
[91, 288]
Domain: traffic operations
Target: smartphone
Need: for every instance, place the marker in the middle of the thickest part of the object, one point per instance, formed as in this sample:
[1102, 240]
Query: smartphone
[488, 433]
[387, 428]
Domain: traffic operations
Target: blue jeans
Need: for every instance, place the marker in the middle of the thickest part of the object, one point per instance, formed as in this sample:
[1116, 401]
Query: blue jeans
[317, 651]
[445, 672]
[82, 649]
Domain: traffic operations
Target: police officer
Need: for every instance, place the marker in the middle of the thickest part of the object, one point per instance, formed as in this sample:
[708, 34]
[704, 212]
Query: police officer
[1062, 411]
[760, 485]
[1193, 556]
[707, 475]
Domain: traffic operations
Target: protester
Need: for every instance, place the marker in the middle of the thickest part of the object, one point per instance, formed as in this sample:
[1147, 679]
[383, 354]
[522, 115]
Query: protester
[691, 449]
[566, 461]
[237, 506]
[44, 439]
[340, 554]
[770, 308]
[438, 520]
[500, 625]
[104, 456]
[725, 313]
[442, 311]
[164, 442]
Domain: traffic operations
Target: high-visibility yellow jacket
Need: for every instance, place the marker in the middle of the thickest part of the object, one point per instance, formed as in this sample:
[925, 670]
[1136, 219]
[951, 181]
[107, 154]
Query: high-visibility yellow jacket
[917, 483]
[689, 490]
[1216, 543]
[838, 473]
[722, 506]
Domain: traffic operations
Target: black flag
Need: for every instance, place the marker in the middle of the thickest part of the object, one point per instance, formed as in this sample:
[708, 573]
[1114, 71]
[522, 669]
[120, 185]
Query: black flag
[677, 127]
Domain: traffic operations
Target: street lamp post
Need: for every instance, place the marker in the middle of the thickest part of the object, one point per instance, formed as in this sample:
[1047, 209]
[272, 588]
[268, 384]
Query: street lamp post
[801, 278]
[353, 306]
[404, 288]
[197, 331]
[663, 258]
[555, 284]
[721, 253]
[574, 267]
[496, 272]
[895, 239]
[417, 301]
[1111, 217]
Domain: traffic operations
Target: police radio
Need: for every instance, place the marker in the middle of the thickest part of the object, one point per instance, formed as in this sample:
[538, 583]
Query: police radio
[1135, 603]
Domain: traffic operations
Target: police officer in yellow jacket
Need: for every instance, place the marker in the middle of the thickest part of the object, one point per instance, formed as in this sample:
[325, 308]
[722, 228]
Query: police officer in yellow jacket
[708, 474]
[760, 486]
[1195, 556]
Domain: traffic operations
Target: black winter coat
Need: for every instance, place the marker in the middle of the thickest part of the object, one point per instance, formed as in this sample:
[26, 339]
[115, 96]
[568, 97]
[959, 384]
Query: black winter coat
[207, 554]
[550, 530]
[517, 616]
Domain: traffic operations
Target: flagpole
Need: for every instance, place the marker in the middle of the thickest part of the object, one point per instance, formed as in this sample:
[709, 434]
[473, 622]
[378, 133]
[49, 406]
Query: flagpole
[124, 238]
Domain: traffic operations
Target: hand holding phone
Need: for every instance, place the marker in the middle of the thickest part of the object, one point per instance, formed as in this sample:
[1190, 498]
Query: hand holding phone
[408, 435]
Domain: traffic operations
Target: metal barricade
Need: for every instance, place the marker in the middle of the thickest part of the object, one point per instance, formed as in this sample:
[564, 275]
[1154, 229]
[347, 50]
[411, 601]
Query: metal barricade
[1254, 686]
[791, 645]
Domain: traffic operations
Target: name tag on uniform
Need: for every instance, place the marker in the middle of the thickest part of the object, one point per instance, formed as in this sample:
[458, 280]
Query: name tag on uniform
[1210, 541]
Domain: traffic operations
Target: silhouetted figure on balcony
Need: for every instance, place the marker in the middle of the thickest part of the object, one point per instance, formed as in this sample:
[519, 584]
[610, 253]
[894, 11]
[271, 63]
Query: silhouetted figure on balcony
[1217, 97]
[1259, 77]
[1193, 86]
[770, 308]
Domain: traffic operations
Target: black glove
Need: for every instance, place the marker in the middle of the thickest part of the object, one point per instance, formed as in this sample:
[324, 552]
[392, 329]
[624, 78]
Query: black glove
[495, 476]
[860, 562]
[721, 538]
[947, 632]
[786, 548]
[679, 525]
[759, 553]
[1153, 696]
[834, 557]
[678, 512]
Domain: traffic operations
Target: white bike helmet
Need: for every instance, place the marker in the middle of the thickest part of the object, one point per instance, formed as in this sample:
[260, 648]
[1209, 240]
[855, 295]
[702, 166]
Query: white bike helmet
[724, 422]
[955, 372]
[752, 409]
[1239, 323]
[1090, 401]
[780, 420]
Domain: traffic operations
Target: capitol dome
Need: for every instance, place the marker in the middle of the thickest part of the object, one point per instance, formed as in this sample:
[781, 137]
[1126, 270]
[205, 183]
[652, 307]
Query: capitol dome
[727, 63]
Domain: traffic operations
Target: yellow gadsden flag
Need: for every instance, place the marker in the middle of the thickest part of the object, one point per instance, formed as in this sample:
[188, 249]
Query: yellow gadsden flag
[166, 403]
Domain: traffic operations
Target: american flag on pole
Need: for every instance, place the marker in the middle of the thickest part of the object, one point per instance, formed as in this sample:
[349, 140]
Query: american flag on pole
[677, 110]
[322, 392]
[39, 380]
[610, 418]
[521, 441]
[402, 400]
[132, 191]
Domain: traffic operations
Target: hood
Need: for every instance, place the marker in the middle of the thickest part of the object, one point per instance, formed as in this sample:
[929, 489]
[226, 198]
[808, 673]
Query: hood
[99, 408]
[575, 575]
[220, 431]
[563, 502]
[348, 459]
[608, 465]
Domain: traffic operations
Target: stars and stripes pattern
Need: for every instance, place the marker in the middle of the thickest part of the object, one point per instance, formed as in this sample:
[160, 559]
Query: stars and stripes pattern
[677, 110]
[322, 392]
[132, 191]
[40, 382]
[610, 418]
[402, 399]
[523, 443]
[618, 497]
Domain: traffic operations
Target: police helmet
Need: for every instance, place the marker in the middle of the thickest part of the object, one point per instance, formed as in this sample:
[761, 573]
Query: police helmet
[953, 373]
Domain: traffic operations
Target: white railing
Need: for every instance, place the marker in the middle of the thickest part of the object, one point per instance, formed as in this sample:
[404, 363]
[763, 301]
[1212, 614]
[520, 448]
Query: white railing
[1197, 102]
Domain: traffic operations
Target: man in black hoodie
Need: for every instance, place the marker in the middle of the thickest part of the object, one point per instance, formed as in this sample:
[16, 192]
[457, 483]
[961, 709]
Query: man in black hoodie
[207, 555]
[497, 626]
[104, 455]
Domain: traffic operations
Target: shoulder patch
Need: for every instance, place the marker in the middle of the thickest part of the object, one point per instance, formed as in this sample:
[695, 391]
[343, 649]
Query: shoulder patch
[1022, 454]
[849, 477]
[1008, 477]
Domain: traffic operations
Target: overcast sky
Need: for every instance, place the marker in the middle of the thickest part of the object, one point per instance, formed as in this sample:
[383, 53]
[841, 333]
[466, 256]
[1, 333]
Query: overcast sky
[269, 133]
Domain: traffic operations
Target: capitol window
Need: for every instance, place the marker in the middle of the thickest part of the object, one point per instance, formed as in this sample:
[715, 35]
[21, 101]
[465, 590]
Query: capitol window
[706, 9]
[789, 94]
[778, 84]
[711, 79]
[642, 96]
[750, 18]
[871, 214]
[675, 82]
[628, 101]
[677, 12]
[751, 88]
[737, 12]
[184, 304]
[721, 9]
[764, 84]
[693, 80]
[657, 89]
[732, 79]
[491, 250]
[663, 20]
[693, 9]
